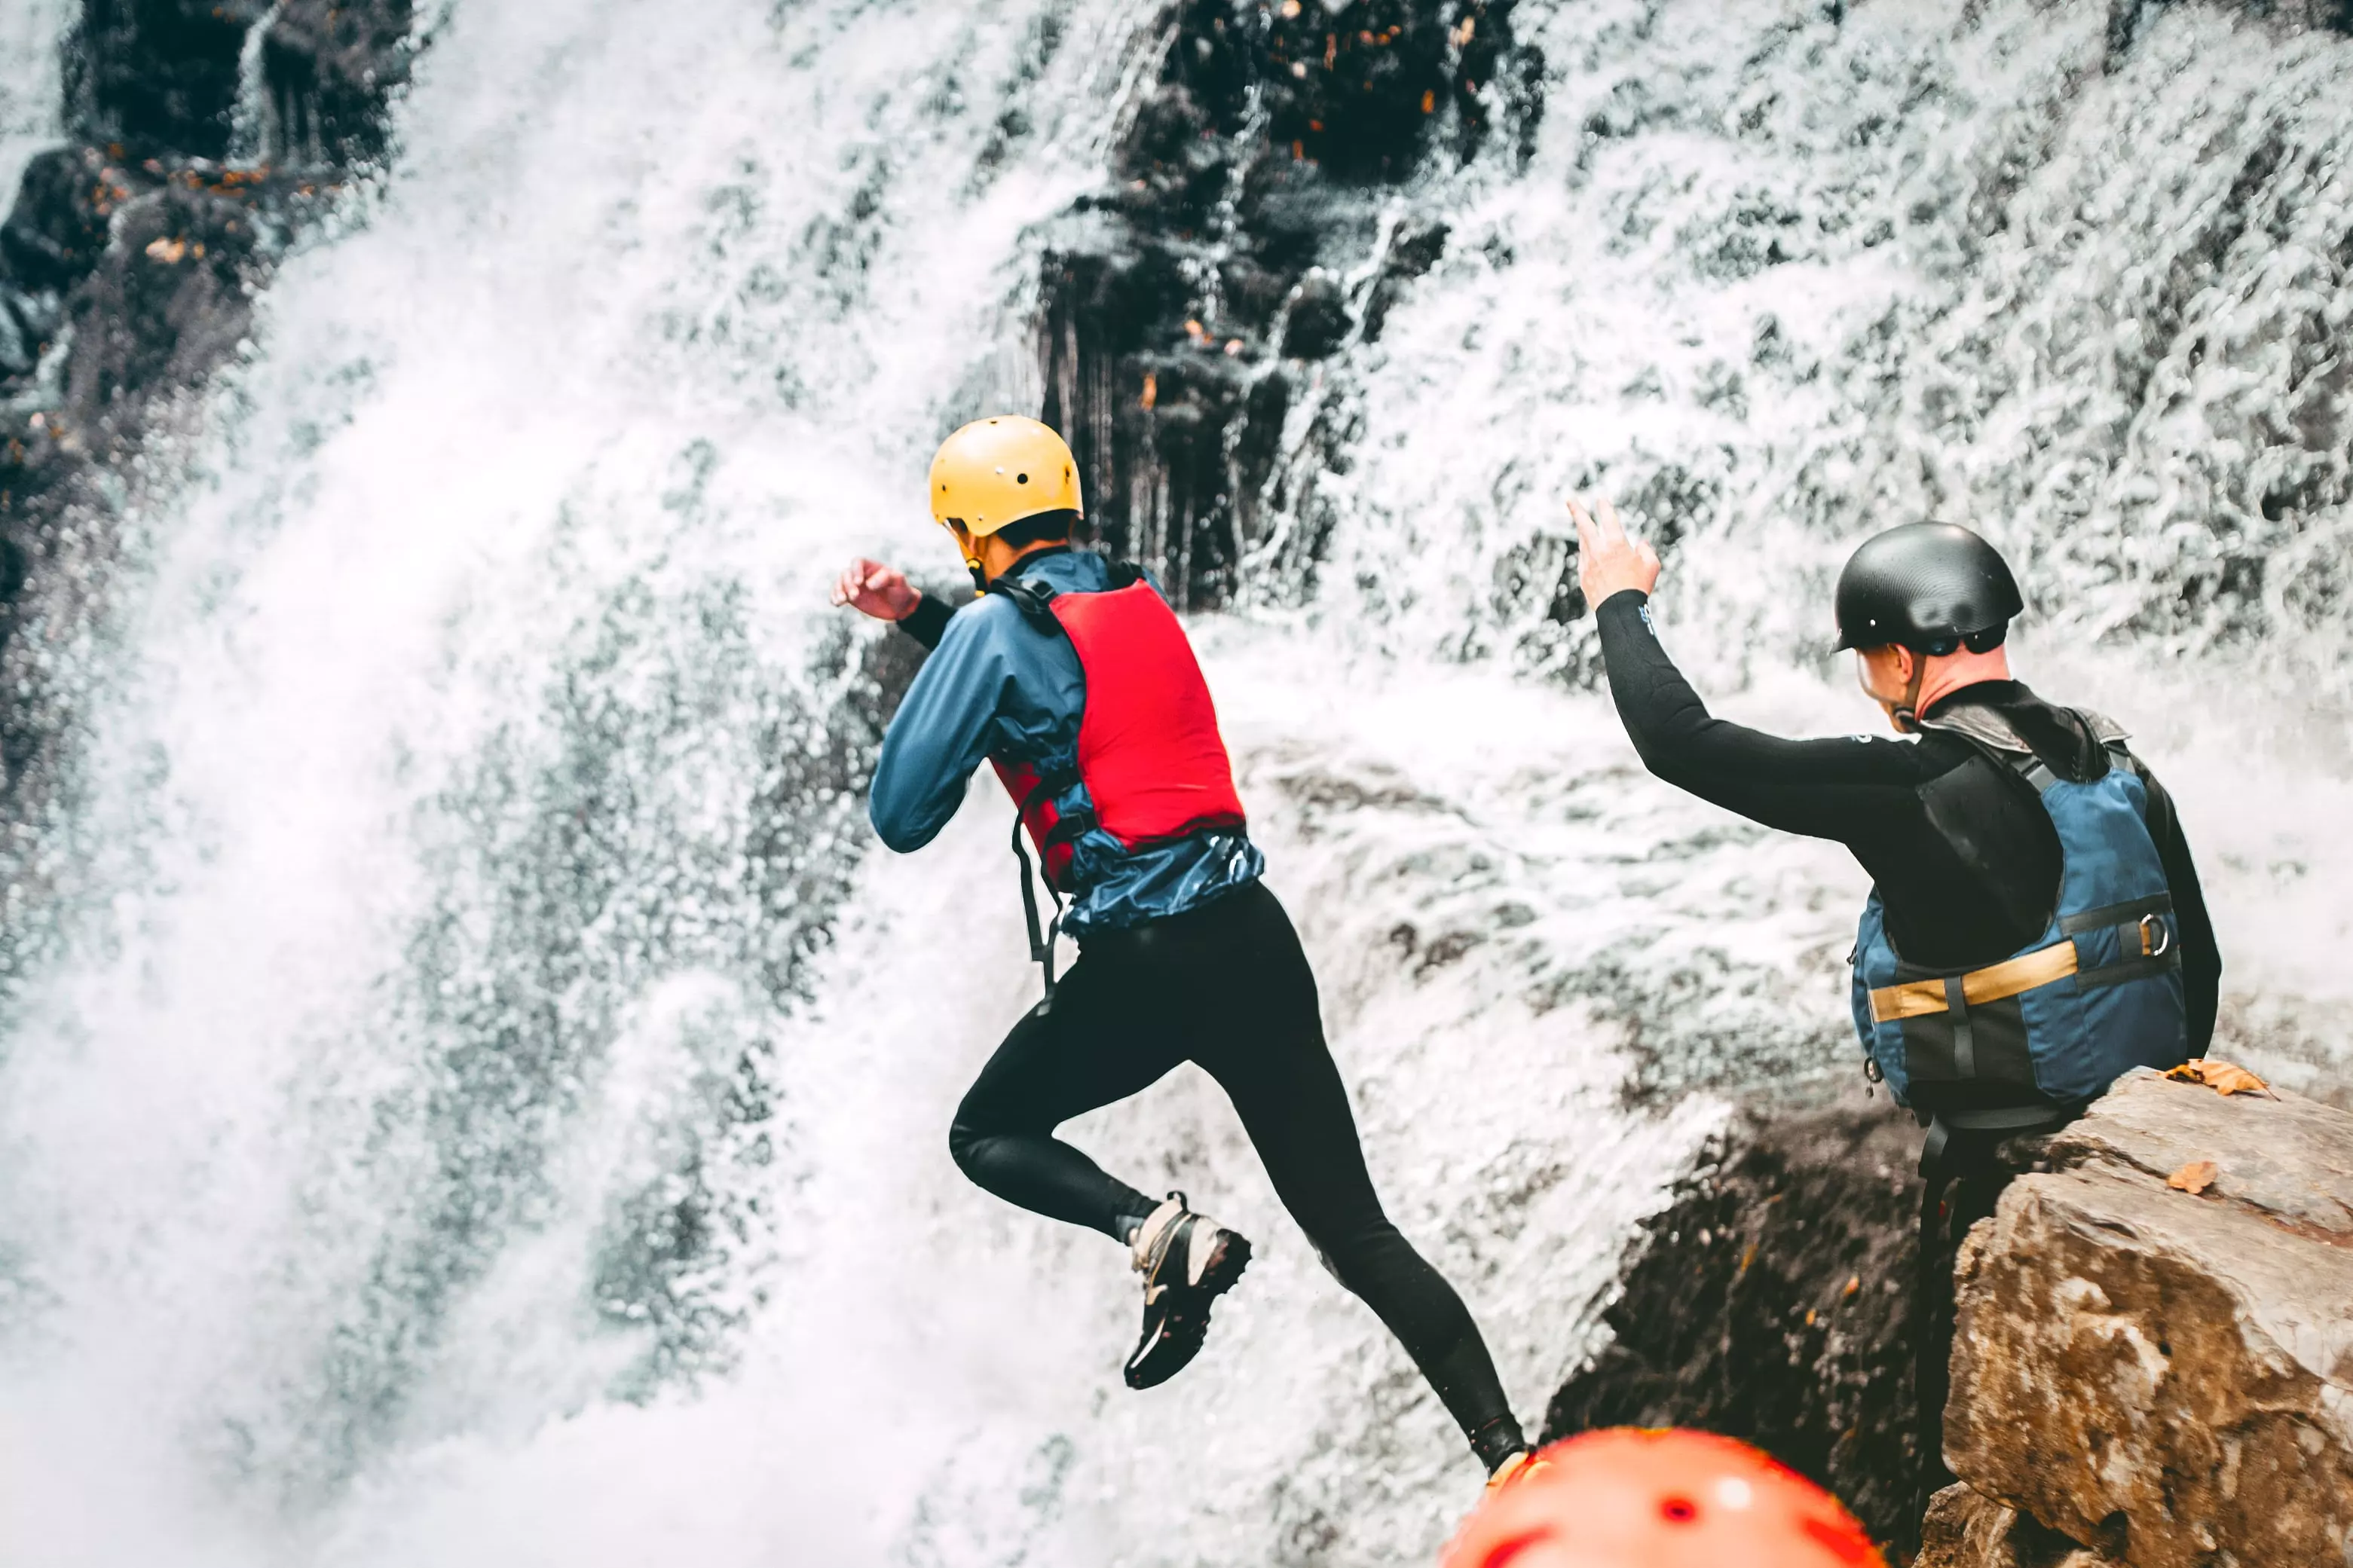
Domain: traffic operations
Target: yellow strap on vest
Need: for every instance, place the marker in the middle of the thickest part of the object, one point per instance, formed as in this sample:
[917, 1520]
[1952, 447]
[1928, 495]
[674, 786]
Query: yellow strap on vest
[1917, 998]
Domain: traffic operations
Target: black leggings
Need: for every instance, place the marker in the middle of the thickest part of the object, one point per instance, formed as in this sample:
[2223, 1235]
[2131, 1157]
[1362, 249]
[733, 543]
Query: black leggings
[1227, 986]
[1961, 1184]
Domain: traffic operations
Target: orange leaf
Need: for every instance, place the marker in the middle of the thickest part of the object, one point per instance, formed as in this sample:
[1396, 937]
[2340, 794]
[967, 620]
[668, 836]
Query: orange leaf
[2222, 1078]
[2193, 1178]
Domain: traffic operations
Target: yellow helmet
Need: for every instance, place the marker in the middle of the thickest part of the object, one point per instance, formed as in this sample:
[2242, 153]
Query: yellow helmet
[996, 471]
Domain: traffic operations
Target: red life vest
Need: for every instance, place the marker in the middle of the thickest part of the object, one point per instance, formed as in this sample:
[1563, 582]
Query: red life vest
[1149, 752]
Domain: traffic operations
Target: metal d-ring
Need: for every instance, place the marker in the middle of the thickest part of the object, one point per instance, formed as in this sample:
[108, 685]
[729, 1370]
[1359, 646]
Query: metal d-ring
[2162, 944]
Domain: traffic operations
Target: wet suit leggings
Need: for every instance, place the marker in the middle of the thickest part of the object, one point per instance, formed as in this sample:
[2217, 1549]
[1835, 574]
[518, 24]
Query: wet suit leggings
[1224, 985]
[1962, 1183]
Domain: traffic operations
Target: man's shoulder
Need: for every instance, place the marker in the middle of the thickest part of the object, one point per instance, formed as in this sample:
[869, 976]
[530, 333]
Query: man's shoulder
[983, 616]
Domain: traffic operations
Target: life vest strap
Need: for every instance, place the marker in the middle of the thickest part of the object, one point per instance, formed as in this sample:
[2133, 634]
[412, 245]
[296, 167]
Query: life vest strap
[1042, 941]
[2141, 926]
[1918, 999]
[2134, 913]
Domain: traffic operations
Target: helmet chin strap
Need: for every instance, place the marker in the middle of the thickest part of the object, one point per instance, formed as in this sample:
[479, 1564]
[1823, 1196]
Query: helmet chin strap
[980, 576]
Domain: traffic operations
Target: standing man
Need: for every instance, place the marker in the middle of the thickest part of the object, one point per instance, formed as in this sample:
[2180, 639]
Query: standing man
[1072, 677]
[2035, 928]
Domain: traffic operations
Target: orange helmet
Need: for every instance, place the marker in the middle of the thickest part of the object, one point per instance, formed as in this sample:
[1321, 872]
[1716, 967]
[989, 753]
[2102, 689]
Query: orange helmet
[1627, 1498]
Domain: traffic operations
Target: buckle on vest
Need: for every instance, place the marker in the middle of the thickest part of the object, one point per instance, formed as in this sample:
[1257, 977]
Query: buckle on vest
[2161, 944]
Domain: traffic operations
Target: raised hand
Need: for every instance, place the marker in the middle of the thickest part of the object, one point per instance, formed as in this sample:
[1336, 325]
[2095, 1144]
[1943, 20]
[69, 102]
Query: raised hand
[874, 589]
[1608, 562]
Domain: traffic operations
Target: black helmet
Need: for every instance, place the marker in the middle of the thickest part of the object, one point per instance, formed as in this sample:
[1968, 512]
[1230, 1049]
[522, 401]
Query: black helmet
[1929, 586]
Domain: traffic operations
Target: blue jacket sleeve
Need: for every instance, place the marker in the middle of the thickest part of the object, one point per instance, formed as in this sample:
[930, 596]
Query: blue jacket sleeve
[941, 731]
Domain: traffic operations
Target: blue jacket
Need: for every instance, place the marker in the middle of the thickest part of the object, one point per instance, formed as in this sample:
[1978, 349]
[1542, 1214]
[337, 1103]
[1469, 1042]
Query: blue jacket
[997, 687]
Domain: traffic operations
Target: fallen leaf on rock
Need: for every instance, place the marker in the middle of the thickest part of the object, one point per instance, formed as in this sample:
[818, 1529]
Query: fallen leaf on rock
[2222, 1078]
[2193, 1178]
[166, 250]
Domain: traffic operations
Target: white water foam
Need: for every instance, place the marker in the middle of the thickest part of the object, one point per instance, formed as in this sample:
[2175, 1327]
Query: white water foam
[1791, 278]
[461, 1131]
[31, 93]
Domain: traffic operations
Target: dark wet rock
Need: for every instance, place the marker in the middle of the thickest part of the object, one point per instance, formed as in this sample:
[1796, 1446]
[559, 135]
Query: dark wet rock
[162, 78]
[168, 301]
[56, 229]
[1248, 232]
[159, 75]
[1772, 1301]
[1413, 249]
[328, 66]
[1319, 321]
[129, 259]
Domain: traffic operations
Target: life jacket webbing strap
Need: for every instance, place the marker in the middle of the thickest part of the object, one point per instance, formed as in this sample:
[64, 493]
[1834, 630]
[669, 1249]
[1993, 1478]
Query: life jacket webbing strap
[1965, 1037]
[1041, 941]
[2130, 913]
[2139, 968]
[2149, 948]
[1918, 999]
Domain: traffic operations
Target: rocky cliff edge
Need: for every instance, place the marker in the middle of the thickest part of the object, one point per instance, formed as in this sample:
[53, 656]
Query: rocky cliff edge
[2154, 1363]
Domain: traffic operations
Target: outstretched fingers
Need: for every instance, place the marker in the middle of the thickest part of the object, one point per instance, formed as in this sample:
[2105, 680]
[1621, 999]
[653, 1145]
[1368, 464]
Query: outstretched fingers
[1608, 562]
[1612, 531]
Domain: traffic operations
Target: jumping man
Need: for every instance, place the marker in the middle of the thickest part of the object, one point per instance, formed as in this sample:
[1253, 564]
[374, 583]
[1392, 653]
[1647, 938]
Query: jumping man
[1072, 677]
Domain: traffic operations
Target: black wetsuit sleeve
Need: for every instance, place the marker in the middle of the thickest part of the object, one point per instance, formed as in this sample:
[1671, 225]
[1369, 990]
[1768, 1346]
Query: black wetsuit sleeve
[928, 621]
[2201, 958]
[1842, 789]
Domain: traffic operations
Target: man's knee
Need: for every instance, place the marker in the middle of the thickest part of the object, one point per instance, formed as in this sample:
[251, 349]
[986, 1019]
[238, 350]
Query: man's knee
[978, 1126]
[966, 1139]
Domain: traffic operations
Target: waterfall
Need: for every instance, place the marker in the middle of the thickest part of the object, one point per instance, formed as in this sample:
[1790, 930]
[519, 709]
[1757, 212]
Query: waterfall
[29, 103]
[481, 1100]
[254, 131]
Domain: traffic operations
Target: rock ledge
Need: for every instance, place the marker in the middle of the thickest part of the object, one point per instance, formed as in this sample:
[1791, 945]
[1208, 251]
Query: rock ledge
[2160, 1375]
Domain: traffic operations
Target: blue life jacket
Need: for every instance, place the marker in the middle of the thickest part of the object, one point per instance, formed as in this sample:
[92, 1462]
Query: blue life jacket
[2047, 1030]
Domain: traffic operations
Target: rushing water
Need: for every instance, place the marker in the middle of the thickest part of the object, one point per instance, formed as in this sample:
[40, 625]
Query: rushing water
[485, 1104]
[30, 91]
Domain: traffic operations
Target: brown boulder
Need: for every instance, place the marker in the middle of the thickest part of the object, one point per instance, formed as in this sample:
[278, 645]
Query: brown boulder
[2161, 1374]
[1967, 1530]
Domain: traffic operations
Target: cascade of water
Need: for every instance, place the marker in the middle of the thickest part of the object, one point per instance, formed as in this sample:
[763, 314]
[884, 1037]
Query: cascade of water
[1776, 277]
[490, 1109]
[253, 125]
[30, 34]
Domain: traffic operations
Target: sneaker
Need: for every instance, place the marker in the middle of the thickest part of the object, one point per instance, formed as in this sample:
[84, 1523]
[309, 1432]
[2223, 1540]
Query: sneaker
[1187, 1262]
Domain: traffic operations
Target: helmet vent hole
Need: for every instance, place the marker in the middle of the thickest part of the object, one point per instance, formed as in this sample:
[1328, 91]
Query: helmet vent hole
[1678, 1509]
[1020, 479]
